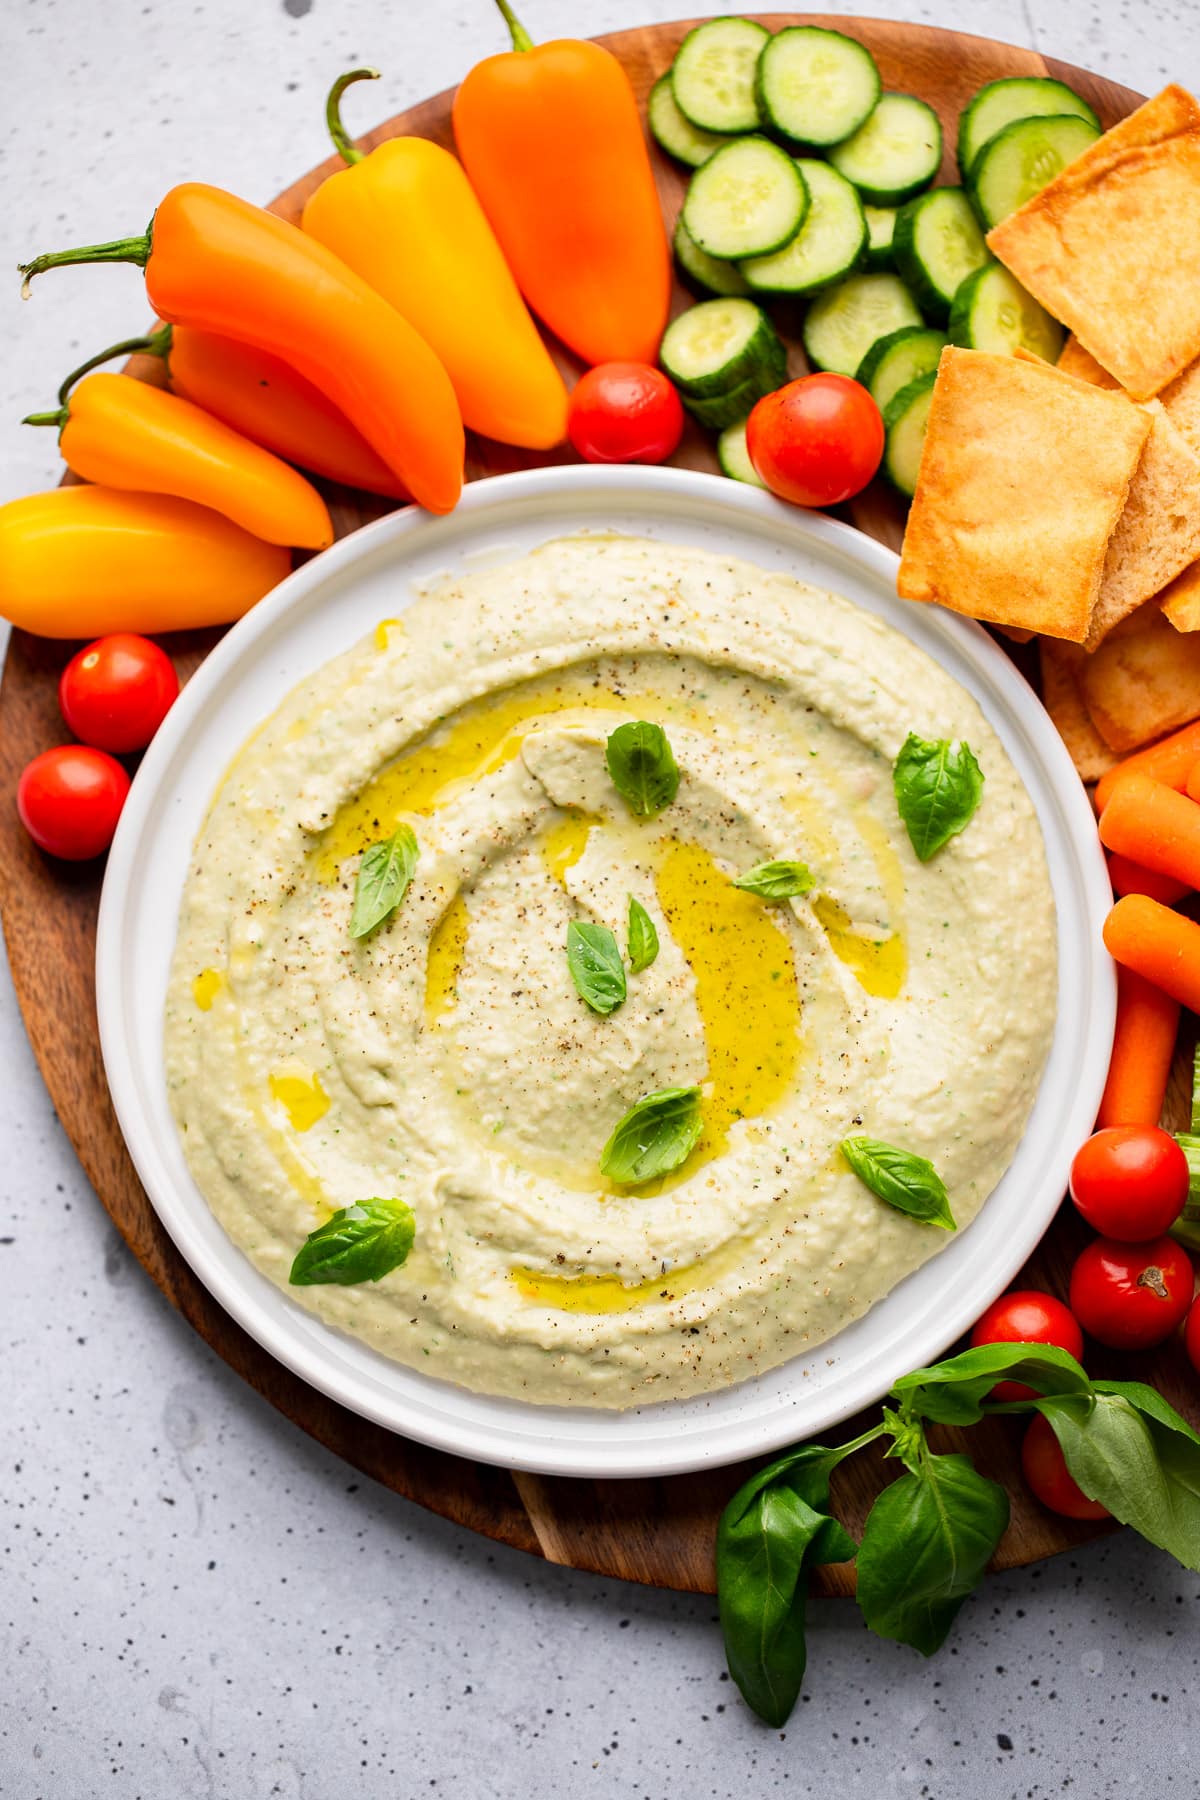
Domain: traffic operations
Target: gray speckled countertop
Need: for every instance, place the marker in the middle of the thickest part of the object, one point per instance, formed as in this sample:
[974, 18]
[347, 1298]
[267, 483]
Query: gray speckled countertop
[196, 1600]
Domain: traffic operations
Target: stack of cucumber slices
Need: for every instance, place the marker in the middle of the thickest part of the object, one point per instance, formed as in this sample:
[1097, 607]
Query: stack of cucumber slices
[810, 182]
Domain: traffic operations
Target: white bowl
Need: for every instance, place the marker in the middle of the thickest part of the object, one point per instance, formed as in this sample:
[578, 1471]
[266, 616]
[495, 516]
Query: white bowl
[336, 599]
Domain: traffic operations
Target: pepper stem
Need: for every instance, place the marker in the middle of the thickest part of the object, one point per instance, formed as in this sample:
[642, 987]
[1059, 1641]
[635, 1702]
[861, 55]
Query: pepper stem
[58, 417]
[348, 151]
[155, 343]
[520, 37]
[131, 249]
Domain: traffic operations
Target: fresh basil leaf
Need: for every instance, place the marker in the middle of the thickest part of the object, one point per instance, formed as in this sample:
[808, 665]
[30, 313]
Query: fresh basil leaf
[383, 877]
[927, 1540]
[657, 1133]
[642, 766]
[595, 964]
[938, 786]
[1149, 1400]
[951, 1392]
[642, 937]
[771, 1533]
[908, 1182]
[1137, 1458]
[776, 880]
[363, 1242]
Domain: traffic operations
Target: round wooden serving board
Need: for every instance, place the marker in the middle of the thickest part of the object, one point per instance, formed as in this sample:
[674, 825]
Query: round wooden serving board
[652, 1531]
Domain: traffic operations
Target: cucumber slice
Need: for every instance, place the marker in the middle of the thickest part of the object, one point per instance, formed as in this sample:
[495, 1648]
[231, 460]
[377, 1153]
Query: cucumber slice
[904, 421]
[1016, 97]
[712, 77]
[992, 311]
[895, 154]
[892, 362]
[717, 411]
[677, 135]
[815, 86]
[843, 322]
[938, 244]
[708, 271]
[734, 457]
[827, 246]
[748, 198]
[1021, 159]
[720, 346]
[881, 226]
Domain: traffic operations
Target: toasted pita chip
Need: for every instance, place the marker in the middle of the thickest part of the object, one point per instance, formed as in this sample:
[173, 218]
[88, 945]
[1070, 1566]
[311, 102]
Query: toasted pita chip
[1158, 533]
[1110, 246]
[1023, 477]
[1181, 397]
[1182, 401]
[1143, 684]
[1075, 360]
[1181, 601]
[1063, 700]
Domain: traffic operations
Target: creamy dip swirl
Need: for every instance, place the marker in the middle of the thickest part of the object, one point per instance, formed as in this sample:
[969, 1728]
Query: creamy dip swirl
[447, 1060]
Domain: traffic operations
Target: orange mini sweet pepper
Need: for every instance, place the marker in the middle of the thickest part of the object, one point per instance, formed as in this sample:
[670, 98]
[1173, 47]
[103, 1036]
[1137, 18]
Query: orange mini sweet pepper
[406, 219]
[79, 562]
[265, 399]
[124, 433]
[551, 139]
[215, 262]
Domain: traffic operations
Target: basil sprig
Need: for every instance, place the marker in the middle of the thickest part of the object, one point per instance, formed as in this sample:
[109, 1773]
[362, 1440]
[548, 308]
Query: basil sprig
[776, 880]
[383, 877]
[774, 1530]
[927, 1541]
[938, 786]
[595, 964]
[930, 1534]
[909, 1183]
[363, 1242]
[643, 767]
[657, 1134]
[641, 937]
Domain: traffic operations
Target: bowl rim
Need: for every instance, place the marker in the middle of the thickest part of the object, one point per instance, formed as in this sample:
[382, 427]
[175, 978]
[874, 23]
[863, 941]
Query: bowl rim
[439, 1413]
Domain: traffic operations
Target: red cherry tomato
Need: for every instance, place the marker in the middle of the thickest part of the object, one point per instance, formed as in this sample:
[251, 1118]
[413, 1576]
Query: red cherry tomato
[1191, 1335]
[816, 441]
[1131, 1296]
[1046, 1473]
[1027, 1317]
[624, 412]
[70, 799]
[116, 693]
[1130, 1182]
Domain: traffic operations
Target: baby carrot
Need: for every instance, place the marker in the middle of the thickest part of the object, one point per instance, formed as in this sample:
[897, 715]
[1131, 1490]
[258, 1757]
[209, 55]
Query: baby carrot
[1158, 944]
[1130, 878]
[1147, 1023]
[1153, 825]
[1171, 760]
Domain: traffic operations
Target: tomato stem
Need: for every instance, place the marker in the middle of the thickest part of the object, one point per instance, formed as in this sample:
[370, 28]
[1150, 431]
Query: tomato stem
[342, 143]
[521, 39]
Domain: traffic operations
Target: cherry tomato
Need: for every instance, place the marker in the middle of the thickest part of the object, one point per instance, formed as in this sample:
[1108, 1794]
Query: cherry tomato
[1130, 1182]
[624, 412]
[1047, 1474]
[1131, 1296]
[816, 441]
[1191, 1335]
[116, 693]
[70, 799]
[1027, 1317]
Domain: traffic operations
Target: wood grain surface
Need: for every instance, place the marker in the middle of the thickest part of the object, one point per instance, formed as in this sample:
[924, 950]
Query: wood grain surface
[651, 1531]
